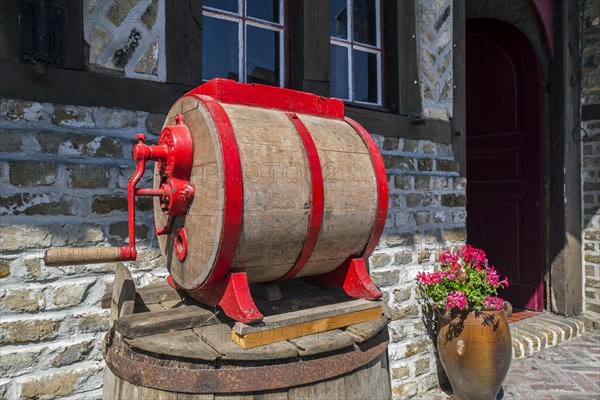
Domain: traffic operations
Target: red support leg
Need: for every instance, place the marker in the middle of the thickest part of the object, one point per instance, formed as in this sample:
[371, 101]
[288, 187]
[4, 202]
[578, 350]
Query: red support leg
[352, 276]
[232, 294]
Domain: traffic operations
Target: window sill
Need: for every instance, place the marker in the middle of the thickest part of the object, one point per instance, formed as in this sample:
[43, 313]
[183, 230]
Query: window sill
[379, 121]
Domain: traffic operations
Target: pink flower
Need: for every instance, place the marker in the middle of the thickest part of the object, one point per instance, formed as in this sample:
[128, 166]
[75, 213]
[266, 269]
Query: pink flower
[456, 299]
[429, 278]
[493, 301]
[492, 277]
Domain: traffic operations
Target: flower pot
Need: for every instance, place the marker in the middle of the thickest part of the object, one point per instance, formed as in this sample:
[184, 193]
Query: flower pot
[475, 349]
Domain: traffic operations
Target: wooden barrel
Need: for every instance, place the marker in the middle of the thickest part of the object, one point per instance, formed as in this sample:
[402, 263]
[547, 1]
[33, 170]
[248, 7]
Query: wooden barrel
[278, 193]
[173, 348]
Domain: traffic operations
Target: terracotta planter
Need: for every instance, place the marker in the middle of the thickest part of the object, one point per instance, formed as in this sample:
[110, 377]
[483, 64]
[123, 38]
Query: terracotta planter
[475, 349]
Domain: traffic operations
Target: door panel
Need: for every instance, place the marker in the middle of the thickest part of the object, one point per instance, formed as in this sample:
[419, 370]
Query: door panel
[504, 179]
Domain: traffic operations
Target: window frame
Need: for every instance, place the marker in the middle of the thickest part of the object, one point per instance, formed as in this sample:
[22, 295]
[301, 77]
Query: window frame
[351, 45]
[243, 21]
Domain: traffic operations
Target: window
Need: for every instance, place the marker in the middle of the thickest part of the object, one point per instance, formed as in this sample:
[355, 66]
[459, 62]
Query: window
[354, 27]
[243, 40]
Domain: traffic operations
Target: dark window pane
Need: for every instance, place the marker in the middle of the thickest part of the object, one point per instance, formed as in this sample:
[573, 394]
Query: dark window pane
[365, 76]
[338, 18]
[219, 49]
[364, 24]
[267, 10]
[339, 72]
[225, 5]
[262, 56]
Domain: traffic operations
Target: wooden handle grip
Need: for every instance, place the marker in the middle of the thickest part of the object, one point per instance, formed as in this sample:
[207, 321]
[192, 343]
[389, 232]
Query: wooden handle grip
[83, 255]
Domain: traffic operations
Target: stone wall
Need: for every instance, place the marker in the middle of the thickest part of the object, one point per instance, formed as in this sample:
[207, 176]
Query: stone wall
[63, 177]
[590, 94]
[126, 37]
[434, 54]
[426, 214]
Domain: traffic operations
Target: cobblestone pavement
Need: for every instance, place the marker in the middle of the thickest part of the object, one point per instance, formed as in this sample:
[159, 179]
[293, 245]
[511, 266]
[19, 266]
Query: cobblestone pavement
[568, 371]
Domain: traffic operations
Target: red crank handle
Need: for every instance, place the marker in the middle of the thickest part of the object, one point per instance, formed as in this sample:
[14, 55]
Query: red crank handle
[87, 255]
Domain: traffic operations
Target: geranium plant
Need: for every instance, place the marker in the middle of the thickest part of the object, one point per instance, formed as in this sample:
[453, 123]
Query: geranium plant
[464, 281]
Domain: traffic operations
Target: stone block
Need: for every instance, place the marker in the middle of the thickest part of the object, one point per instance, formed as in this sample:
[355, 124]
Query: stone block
[428, 147]
[17, 362]
[32, 173]
[404, 390]
[24, 331]
[399, 239]
[109, 118]
[422, 217]
[18, 110]
[400, 372]
[125, 51]
[148, 18]
[11, 141]
[455, 235]
[70, 295]
[54, 385]
[404, 182]
[120, 231]
[390, 143]
[23, 300]
[422, 182]
[100, 38]
[93, 323]
[403, 257]
[73, 116]
[4, 268]
[149, 61]
[447, 166]
[413, 200]
[421, 366]
[119, 10]
[454, 200]
[401, 312]
[20, 237]
[77, 234]
[385, 278]
[72, 354]
[104, 204]
[379, 260]
[410, 145]
[402, 294]
[399, 162]
[85, 176]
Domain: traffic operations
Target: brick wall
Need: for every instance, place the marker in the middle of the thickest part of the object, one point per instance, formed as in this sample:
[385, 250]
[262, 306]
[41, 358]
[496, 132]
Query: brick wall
[590, 94]
[63, 176]
[426, 214]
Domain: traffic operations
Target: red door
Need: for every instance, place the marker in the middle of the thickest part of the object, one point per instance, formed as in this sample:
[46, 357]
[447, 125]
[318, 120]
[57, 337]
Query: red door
[504, 175]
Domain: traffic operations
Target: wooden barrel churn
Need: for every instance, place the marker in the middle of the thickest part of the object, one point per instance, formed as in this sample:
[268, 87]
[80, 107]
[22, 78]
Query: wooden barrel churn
[278, 193]
[171, 350]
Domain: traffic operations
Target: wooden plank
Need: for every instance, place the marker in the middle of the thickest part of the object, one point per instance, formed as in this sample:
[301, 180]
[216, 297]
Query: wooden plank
[195, 396]
[155, 394]
[331, 389]
[183, 27]
[322, 342]
[401, 16]
[377, 376]
[278, 334]
[219, 338]
[366, 330]
[109, 388]
[157, 292]
[400, 125]
[309, 46]
[139, 325]
[459, 104]
[308, 315]
[178, 343]
[123, 295]
[87, 88]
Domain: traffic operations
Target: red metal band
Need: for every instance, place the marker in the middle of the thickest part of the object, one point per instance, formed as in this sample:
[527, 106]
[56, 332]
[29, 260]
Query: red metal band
[234, 192]
[232, 92]
[382, 187]
[317, 201]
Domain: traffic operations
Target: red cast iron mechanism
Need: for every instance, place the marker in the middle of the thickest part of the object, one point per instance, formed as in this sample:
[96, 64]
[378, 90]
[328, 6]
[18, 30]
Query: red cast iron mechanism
[329, 207]
[174, 156]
